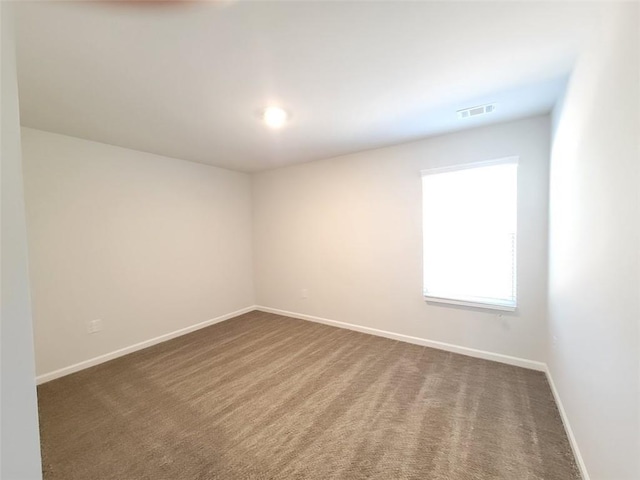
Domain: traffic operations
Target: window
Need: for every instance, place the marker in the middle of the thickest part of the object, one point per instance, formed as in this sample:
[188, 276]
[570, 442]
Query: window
[469, 234]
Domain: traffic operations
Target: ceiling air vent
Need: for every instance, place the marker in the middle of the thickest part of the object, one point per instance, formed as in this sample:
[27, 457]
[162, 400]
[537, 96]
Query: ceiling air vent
[475, 111]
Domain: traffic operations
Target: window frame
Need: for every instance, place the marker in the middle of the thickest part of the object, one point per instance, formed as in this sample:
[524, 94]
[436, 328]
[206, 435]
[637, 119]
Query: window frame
[514, 159]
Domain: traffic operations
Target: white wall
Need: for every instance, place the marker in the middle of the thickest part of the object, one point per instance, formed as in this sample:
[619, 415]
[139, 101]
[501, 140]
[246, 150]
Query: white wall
[19, 440]
[594, 273]
[147, 244]
[349, 230]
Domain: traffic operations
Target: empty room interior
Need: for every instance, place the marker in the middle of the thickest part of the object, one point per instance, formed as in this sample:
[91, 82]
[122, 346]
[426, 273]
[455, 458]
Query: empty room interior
[320, 240]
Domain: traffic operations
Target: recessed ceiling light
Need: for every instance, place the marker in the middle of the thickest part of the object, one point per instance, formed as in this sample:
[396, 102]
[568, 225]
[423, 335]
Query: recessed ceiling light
[275, 117]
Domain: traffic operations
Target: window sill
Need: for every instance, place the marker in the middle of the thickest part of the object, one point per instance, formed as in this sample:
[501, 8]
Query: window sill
[466, 303]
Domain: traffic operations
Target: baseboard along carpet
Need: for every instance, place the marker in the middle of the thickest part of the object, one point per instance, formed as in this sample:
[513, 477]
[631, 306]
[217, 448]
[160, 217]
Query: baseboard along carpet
[263, 396]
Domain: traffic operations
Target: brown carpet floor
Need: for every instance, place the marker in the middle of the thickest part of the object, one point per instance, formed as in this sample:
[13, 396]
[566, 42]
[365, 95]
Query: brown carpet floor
[263, 396]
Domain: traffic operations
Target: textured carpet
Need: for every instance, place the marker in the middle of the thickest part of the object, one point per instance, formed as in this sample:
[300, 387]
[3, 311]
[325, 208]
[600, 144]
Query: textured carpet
[268, 397]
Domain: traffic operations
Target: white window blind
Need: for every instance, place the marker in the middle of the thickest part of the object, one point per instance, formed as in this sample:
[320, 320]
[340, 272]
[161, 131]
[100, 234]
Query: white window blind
[469, 234]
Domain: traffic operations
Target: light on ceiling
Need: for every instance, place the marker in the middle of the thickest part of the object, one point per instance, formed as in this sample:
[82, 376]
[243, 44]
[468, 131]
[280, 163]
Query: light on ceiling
[274, 117]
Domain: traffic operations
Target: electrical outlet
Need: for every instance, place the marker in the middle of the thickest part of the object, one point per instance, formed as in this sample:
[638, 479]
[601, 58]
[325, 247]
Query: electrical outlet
[304, 293]
[94, 326]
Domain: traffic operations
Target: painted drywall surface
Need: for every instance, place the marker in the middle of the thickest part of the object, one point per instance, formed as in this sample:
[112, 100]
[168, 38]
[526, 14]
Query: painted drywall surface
[348, 230]
[19, 440]
[147, 244]
[594, 272]
[355, 75]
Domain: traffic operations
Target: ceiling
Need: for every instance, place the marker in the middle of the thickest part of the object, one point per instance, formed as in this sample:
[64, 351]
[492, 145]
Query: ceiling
[187, 80]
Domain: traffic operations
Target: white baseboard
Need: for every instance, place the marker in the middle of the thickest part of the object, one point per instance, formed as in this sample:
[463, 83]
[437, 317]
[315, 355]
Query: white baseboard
[46, 377]
[471, 352]
[567, 427]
